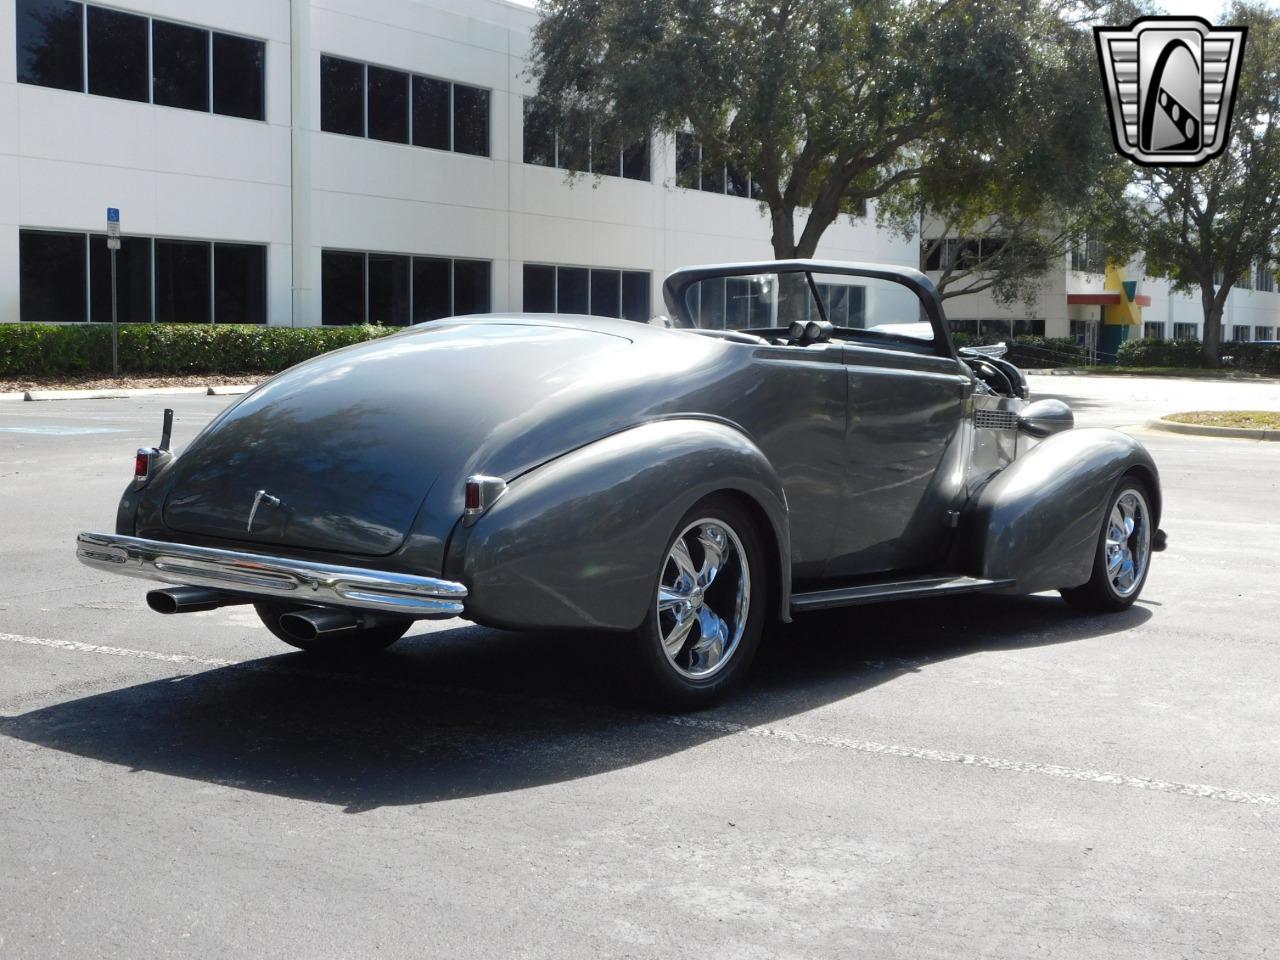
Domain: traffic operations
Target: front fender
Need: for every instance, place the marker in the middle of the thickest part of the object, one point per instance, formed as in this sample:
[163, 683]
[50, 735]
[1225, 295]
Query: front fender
[577, 541]
[1037, 522]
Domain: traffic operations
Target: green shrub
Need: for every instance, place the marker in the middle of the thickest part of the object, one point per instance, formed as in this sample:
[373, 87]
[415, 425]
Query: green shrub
[1252, 357]
[1159, 353]
[48, 349]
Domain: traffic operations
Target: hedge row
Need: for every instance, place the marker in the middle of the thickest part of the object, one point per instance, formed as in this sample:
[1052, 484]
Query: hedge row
[1251, 357]
[46, 349]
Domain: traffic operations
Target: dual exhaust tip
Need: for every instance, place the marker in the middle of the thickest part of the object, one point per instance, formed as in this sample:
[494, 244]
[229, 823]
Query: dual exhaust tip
[312, 623]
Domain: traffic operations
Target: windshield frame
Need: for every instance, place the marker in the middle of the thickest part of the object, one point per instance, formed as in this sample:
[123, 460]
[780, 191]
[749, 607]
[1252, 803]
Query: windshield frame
[678, 283]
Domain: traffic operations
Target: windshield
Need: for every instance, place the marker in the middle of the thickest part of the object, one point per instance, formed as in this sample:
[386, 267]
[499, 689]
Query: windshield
[859, 307]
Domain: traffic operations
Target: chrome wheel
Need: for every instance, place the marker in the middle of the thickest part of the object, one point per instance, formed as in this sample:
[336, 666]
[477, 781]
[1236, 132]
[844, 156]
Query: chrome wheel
[1128, 542]
[704, 595]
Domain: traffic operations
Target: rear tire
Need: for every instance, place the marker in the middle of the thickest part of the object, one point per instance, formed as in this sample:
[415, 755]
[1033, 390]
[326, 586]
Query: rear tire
[367, 642]
[1123, 555]
[707, 612]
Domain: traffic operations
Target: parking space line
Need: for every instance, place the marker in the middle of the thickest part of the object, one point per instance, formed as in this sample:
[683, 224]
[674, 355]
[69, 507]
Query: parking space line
[1050, 770]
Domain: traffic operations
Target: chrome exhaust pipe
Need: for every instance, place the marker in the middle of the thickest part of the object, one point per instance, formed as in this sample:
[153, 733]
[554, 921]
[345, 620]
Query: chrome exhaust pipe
[191, 599]
[320, 622]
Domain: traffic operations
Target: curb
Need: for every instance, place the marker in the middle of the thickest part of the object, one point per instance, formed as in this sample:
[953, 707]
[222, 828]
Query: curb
[124, 392]
[1200, 430]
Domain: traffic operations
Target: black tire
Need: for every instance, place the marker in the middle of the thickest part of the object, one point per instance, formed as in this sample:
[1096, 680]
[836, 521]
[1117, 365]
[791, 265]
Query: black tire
[370, 640]
[664, 682]
[1100, 594]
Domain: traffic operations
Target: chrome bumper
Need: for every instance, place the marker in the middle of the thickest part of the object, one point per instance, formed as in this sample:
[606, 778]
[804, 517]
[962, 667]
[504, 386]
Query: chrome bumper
[258, 575]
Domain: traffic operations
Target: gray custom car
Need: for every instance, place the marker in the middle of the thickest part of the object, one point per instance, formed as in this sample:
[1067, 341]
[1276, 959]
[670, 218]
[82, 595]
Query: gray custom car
[793, 435]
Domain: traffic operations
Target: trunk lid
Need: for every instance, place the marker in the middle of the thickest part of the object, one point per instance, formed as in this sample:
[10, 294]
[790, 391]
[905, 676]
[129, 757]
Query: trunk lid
[345, 448]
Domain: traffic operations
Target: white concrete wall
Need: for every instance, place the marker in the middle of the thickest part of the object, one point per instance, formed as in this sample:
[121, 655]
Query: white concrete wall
[65, 157]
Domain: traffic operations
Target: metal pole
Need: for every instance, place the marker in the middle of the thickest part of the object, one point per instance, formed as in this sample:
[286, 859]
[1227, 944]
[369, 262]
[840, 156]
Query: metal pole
[115, 321]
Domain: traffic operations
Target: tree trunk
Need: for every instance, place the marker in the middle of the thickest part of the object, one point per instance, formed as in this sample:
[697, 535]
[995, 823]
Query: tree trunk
[784, 234]
[1212, 302]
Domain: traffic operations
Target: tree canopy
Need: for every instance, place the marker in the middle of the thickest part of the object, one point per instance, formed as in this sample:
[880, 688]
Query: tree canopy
[828, 104]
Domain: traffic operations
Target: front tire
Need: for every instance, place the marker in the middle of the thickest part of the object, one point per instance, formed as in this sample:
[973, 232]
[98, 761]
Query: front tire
[368, 641]
[707, 613]
[1123, 555]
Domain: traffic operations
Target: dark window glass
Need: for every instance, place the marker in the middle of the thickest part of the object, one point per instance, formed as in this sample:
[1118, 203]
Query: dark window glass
[737, 303]
[389, 289]
[635, 161]
[539, 289]
[574, 145]
[756, 191]
[118, 55]
[572, 290]
[239, 65]
[687, 156]
[431, 113]
[179, 66]
[606, 292]
[736, 182]
[341, 287]
[182, 281]
[341, 96]
[635, 296]
[712, 175]
[239, 283]
[539, 138]
[470, 120]
[470, 287]
[606, 158]
[388, 105]
[133, 279]
[431, 290]
[51, 44]
[51, 276]
[711, 314]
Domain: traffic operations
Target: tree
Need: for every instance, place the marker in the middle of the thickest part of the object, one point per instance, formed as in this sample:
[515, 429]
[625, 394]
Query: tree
[1204, 227]
[826, 103]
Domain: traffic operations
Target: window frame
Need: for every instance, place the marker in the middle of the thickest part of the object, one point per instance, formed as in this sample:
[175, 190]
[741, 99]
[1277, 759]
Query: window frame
[560, 158]
[413, 259]
[622, 273]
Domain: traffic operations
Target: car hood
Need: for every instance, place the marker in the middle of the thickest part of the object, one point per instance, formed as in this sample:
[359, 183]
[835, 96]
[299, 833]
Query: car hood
[351, 448]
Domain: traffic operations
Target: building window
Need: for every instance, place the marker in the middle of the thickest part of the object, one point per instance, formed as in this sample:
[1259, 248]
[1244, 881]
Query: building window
[1265, 276]
[361, 100]
[71, 46]
[133, 279]
[1153, 331]
[574, 148]
[1264, 333]
[180, 65]
[51, 44]
[586, 290]
[1240, 333]
[1185, 331]
[697, 170]
[388, 108]
[51, 276]
[1089, 257]
[397, 289]
[117, 51]
[239, 81]
[187, 281]
[1246, 278]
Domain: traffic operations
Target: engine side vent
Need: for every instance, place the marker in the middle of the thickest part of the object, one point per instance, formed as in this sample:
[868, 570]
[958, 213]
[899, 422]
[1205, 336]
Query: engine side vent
[995, 419]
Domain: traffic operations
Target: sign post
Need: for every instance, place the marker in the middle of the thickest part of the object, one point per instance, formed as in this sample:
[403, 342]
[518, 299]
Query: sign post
[113, 244]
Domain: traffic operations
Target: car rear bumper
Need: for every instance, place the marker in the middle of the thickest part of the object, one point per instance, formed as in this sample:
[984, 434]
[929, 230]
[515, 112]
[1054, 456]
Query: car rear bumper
[259, 575]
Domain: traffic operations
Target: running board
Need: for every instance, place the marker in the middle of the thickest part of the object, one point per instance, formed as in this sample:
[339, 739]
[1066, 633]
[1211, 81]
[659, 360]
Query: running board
[913, 589]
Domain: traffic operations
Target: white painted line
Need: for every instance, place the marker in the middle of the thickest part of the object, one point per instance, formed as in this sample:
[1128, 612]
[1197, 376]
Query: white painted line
[1051, 770]
[59, 431]
[108, 393]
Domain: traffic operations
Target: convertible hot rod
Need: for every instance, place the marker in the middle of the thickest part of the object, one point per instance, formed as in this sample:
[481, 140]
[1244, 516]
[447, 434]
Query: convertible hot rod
[794, 435]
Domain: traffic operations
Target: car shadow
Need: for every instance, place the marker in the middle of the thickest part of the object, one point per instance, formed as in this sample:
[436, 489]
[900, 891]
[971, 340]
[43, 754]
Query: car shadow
[468, 711]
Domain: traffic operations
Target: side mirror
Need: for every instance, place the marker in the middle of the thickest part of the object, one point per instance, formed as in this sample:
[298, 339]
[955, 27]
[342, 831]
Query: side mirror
[1045, 418]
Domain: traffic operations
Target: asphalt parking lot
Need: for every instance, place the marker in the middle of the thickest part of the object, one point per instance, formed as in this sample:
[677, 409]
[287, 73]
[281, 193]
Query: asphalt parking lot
[972, 777]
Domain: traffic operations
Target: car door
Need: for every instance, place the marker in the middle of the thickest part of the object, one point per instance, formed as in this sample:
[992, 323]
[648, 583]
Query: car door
[906, 435]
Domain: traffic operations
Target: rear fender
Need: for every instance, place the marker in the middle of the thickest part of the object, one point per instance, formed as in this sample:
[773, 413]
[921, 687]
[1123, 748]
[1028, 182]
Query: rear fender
[576, 542]
[1037, 521]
